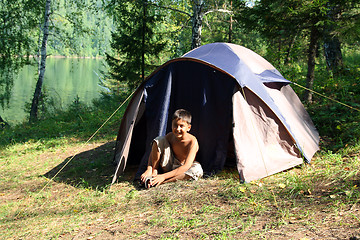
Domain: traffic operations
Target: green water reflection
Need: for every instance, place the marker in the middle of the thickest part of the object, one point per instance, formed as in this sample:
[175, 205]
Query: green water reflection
[65, 80]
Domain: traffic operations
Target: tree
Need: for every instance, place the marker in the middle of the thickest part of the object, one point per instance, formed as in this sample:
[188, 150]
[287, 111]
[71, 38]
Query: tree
[219, 22]
[313, 45]
[144, 27]
[339, 12]
[42, 64]
[18, 19]
[135, 41]
[200, 9]
[74, 17]
[197, 19]
[276, 21]
[282, 22]
[61, 29]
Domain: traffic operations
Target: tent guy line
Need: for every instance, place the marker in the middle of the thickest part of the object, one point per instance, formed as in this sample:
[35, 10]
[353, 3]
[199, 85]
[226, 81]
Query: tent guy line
[76, 153]
[91, 137]
[322, 95]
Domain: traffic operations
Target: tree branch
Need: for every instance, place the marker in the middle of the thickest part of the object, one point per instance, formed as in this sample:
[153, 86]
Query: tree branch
[219, 10]
[170, 8]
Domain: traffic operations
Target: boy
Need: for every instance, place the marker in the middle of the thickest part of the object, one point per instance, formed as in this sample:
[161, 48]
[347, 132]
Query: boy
[175, 153]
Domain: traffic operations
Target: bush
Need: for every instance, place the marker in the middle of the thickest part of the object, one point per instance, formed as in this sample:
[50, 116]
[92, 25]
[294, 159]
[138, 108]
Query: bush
[78, 121]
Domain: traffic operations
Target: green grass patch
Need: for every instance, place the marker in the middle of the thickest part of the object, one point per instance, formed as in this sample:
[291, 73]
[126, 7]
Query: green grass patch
[79, 203]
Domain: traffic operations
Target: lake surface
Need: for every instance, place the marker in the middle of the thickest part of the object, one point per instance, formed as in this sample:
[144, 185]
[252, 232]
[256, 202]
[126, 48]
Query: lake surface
[65, 80]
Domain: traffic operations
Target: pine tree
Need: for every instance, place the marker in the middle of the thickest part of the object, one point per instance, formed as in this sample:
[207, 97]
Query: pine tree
[134, 41]
[304, 23]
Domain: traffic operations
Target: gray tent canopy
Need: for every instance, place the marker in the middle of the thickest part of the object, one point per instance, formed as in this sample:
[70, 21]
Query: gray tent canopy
[241, 106]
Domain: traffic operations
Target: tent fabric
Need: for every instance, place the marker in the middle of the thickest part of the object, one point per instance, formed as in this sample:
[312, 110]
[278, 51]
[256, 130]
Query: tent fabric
[126, 130]
[245, 66]
[262, 144]
[238, 101]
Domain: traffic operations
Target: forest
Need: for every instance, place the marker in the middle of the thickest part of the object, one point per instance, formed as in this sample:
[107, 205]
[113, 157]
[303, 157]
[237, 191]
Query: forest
[312, 43]
[51, 171]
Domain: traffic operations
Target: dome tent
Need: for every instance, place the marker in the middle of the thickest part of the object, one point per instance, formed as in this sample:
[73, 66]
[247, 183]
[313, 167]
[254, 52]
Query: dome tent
[241, 106]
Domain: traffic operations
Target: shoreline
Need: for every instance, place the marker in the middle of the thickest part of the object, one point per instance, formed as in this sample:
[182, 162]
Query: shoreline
[60, 56]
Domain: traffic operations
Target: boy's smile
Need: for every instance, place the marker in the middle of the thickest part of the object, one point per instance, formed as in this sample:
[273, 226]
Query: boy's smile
[180, 128]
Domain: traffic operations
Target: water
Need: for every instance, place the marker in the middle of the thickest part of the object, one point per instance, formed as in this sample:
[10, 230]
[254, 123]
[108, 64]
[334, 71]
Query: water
[65, 80]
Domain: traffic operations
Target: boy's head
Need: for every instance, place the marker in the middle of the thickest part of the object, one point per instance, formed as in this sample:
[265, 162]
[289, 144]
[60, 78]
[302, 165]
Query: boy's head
[181, 123]
[182, 114]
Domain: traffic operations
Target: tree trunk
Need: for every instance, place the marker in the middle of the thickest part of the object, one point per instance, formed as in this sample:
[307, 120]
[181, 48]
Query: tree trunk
[291, 45]
[42, 65]
[197, 19]
[3, 123]
[230, 25]
[332, 48]
[333, 55]
[314, 37]
[143, 42]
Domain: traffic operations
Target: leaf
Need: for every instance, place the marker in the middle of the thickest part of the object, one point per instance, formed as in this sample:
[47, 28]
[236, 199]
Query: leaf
[282, 185]
[348, 193]
[259, 184]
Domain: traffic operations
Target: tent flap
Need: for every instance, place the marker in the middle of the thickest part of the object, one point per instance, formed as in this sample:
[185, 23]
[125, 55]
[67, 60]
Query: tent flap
[262, 145]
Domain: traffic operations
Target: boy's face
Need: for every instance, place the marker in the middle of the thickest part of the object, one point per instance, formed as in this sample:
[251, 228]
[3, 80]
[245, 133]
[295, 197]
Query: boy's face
[180, 128]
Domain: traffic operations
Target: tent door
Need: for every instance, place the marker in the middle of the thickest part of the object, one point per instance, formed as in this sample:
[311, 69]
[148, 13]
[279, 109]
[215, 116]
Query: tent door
[230, 161]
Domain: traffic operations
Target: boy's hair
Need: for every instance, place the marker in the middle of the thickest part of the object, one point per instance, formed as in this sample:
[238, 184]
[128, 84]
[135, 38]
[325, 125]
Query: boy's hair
[183, 115]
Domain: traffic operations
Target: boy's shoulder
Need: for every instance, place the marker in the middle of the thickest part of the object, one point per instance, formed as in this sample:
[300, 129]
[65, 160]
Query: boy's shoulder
[170, 137]
[192, 137]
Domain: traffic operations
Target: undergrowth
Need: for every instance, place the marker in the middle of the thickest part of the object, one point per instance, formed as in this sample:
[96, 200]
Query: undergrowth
[78, 121]
[335, 108]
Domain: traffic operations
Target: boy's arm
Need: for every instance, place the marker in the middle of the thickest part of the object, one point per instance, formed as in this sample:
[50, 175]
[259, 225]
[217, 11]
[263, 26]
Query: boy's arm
[151, 169]
[183, 168]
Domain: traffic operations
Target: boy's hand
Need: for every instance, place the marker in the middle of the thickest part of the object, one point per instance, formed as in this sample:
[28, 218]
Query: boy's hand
[146, 174]
[159, 179]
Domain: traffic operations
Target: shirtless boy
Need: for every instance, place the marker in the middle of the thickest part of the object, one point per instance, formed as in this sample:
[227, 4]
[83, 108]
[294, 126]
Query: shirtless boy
[174, 153]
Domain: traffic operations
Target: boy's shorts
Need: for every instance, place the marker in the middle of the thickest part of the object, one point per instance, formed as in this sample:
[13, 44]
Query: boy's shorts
[168, 161]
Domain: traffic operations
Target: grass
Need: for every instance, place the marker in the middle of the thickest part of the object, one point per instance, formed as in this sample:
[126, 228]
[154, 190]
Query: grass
[38, 201]
[317, 201]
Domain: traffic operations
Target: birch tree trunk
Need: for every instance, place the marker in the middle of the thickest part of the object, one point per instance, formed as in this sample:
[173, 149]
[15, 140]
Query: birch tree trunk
[197, 18]
[230, 25]
[42, 64]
